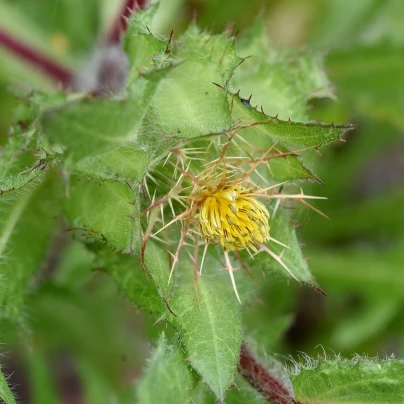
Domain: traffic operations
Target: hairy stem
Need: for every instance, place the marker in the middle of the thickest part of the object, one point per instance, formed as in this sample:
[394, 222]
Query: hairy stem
[271, 387]
[59, 74]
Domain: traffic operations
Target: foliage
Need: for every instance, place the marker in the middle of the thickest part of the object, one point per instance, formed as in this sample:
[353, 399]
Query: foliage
[95, 193]
[334, 380]
[5, 392]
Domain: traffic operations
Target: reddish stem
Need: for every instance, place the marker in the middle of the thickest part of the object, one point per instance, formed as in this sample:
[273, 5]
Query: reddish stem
[53, 70]
[271, 388]
[121, 24]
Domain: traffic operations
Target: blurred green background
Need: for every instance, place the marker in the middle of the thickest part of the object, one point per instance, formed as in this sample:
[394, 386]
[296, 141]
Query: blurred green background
[79, 329]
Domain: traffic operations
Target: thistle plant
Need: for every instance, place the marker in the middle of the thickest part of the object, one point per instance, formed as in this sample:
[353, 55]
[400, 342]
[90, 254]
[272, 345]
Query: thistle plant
[154, 166]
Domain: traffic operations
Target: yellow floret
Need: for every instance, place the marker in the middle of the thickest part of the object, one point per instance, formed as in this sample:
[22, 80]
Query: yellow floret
[232, 217]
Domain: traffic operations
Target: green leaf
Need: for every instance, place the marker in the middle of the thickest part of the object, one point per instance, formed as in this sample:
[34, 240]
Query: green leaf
[141, 20]
[124, 164]
[361, 380]
[209, 328]
[219, 51]
[149, 290]
[168, 370]
[287, 134]
[156, 263]
[145, 51]
[209, 331]
[26, 227]
[186, 104]
[5, 392]
[106, 211]
[92, 126]
[17, 173]
[23, 161]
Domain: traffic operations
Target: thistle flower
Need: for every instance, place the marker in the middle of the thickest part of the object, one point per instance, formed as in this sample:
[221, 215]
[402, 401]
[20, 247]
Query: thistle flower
[232, 218]
[220, 201]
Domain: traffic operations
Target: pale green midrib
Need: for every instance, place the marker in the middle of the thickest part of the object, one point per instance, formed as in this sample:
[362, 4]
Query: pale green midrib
[13, 218]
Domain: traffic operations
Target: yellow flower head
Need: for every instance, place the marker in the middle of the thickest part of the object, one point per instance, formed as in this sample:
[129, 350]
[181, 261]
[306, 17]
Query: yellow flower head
[232, 217]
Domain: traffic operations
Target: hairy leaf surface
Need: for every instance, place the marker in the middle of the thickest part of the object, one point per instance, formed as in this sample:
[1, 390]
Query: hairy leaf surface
[337, 380]
[168, 378]
[5, 392]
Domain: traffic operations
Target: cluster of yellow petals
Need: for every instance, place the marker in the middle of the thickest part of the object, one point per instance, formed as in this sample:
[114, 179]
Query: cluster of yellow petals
[230, 216]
